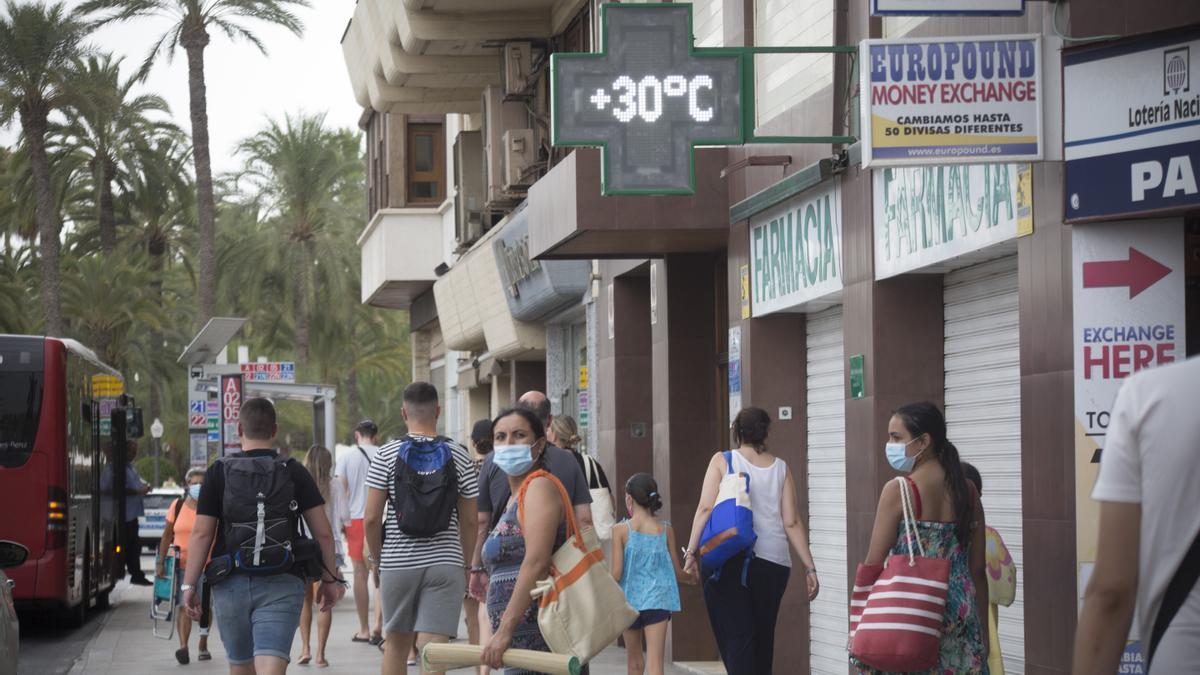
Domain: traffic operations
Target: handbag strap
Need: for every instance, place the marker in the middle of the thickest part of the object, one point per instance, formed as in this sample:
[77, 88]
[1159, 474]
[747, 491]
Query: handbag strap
[910, 521]
[573, 531]
[589, 471]
[1177, 592]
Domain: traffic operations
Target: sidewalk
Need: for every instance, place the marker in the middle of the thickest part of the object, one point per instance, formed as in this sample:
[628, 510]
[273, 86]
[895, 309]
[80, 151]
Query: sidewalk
[124, 645]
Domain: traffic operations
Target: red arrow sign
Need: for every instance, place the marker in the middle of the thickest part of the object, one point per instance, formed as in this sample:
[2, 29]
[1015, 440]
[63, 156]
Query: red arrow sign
[1138, 273]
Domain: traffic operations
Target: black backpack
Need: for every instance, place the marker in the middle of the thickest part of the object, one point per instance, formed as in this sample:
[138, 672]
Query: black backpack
[425, 486]
[259, 514]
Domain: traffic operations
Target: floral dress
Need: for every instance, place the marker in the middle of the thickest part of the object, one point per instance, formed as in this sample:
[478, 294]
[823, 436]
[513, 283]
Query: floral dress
[503, 552]
[961, 649]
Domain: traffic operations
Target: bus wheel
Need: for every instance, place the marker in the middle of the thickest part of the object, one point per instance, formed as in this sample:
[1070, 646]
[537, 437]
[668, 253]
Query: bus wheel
[102, 599]
[74, 617]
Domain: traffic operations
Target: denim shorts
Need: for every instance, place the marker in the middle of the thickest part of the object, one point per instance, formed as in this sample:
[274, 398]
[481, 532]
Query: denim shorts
[258, 615]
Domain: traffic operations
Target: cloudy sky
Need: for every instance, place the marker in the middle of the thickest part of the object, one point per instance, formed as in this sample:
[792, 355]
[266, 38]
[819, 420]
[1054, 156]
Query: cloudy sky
[244, 87]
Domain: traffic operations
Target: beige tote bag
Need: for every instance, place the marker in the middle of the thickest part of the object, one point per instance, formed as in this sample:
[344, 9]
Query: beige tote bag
[581, 608]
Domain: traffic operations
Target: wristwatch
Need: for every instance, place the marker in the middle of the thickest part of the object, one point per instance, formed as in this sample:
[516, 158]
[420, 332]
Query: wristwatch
[186, 587]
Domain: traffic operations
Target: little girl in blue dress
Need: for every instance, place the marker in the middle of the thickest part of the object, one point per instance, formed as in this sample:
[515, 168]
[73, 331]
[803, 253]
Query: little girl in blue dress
[646, 563]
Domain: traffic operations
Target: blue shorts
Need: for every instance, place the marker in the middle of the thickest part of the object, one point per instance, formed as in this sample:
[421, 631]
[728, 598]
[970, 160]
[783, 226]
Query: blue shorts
[258, 615]
[649, 617]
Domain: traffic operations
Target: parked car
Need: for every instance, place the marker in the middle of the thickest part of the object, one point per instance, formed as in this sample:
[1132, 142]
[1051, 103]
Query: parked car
[12, 554]
[150, 526]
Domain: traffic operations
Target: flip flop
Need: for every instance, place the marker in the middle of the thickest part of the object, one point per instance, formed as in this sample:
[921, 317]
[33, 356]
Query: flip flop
[376, 639]
[368, 640]
[303, 660]
[321, 664]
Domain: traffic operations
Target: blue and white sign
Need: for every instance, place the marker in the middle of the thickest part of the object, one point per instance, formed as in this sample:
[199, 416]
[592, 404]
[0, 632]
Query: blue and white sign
[944, 7]
[1131, 135]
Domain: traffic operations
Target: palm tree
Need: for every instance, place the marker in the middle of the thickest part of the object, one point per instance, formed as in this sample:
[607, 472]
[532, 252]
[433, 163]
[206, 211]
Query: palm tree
[190, 23]
[38, 46]
[110, 125]
[297, 170]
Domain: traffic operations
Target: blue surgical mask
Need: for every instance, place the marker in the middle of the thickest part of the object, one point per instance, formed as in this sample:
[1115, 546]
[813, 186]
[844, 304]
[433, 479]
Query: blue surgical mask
[897, 456]
[514, 460]
[194, 491]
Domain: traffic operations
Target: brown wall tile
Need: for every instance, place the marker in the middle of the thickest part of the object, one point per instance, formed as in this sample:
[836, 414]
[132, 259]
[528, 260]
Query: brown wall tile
[1049, 576]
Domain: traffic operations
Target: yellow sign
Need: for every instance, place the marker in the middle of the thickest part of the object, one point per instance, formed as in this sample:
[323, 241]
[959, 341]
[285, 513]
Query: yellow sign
[1025, 200]
[107, 385]
[744, 279]
[583, 377]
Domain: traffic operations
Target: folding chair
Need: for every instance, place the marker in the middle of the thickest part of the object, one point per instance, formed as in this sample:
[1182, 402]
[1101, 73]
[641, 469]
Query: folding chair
[162, 606]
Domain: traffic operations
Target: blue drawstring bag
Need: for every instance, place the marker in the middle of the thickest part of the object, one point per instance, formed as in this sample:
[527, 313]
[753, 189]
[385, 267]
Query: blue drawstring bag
[730, 527]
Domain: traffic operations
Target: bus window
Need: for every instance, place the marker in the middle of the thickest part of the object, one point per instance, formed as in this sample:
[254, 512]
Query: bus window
[20, 402]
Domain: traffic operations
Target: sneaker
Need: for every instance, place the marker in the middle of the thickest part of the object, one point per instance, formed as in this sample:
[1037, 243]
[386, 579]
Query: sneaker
[181, 655]
[141, 581]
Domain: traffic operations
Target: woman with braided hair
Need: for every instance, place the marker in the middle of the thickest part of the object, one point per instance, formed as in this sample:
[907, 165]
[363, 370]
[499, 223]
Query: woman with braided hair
[743, 598]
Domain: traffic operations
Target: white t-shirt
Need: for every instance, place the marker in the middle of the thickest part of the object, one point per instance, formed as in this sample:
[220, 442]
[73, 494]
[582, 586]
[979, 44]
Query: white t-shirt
[1152, 457]
[354, 467]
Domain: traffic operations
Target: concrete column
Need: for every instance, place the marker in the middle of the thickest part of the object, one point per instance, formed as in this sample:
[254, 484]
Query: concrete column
[421, 341]
[689, 413]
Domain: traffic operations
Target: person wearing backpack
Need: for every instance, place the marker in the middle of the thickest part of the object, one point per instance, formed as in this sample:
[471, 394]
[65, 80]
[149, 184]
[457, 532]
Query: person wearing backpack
[252, 514]
[420, 487]
[744, 593]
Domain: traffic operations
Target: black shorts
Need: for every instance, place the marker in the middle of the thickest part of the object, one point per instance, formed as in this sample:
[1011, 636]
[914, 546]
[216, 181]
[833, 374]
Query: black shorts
[650, 617]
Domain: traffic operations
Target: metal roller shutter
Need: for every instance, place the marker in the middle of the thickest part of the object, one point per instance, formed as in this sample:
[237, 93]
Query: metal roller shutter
[826, 413]
[983, 410]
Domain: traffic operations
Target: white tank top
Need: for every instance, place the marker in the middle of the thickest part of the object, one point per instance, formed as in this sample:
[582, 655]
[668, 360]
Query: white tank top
[766, 498]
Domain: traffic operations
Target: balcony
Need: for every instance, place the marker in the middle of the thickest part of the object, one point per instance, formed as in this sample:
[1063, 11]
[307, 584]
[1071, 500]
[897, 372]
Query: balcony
[431, 57]
[400, 248]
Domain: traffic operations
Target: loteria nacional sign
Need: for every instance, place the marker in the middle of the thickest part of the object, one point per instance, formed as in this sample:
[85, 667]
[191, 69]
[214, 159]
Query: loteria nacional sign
[796, 253]
[938, 100]
[1131, 127]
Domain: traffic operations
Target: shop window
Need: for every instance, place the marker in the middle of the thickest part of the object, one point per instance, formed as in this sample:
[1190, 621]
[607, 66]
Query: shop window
[426, 164]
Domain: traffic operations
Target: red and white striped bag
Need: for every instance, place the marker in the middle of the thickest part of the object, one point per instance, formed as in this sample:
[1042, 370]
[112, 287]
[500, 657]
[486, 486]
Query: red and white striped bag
[897, 609]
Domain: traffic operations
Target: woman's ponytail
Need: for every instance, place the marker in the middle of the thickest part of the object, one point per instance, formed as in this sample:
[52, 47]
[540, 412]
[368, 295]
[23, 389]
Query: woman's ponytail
[926, 418]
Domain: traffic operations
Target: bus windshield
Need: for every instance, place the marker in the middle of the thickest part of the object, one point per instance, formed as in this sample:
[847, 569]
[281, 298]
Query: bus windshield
[20, 401]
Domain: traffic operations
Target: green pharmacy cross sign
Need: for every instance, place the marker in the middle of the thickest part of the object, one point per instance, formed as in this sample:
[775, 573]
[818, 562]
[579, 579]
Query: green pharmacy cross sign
[649, 97]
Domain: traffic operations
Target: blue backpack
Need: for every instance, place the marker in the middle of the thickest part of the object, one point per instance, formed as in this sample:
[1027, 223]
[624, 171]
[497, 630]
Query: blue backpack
[425, 488]
[730, 527]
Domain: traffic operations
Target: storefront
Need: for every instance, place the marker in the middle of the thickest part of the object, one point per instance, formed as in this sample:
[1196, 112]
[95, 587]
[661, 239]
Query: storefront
[1132, 163]
[796, 267]
[962, 221]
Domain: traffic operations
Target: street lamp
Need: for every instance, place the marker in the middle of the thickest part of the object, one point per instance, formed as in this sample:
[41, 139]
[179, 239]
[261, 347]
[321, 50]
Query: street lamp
[156, 432]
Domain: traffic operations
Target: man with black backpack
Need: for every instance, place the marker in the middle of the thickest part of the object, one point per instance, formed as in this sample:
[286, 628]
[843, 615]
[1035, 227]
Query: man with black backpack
[427, 484]
[255, 504]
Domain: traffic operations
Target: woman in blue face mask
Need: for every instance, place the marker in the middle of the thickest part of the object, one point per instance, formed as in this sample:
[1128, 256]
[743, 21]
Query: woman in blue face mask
[517, 553]
[950, 523]
[181, 517]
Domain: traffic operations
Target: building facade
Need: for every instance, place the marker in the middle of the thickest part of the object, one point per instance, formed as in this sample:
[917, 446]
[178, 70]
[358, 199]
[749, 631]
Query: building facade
[795, 278]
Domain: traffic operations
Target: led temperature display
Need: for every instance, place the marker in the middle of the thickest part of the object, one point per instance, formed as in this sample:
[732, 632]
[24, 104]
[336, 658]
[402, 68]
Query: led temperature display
[647, 98]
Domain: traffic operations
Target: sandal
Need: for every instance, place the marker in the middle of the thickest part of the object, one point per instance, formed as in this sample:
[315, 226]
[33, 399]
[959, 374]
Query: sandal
[321, 663]
[369, 639]
[204, 655]
[181, 655]
[376, 639]
[303, 660]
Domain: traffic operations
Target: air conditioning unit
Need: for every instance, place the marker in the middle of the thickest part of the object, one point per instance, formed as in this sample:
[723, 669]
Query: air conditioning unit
[468, 187]
[518, 68]
[520, 154]
[498, 117]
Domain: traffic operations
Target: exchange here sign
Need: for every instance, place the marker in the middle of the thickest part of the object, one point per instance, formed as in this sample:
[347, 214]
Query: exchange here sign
[933, 101]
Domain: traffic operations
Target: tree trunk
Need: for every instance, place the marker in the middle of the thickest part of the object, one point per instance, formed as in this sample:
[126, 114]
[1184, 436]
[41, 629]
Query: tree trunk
[300, 303]
[194, 40]
[107, 216]
[352, 403]
[33, 123]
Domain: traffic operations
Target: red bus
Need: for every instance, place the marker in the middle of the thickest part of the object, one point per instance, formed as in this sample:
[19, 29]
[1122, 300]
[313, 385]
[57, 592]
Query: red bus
[53, 454]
